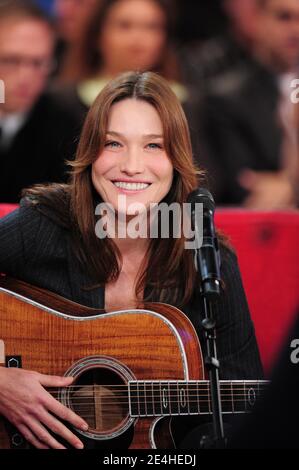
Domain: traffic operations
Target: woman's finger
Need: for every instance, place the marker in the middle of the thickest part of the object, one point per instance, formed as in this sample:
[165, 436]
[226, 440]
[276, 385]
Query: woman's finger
[54, 380]
[65, 414]
[42, 434]
[60, 429]
[29, 436]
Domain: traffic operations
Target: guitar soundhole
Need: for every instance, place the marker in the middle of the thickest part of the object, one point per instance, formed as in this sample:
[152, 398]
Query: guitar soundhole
[100, 397]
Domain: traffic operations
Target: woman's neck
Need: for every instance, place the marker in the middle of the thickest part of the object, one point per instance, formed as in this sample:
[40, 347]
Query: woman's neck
[132, 247]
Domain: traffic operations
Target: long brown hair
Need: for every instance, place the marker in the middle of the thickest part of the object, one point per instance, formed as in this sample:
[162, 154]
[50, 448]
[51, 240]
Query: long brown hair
[170, 274]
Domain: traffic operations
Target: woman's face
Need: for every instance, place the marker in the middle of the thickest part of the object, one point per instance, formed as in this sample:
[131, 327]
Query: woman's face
[133, 36]
[134, 162]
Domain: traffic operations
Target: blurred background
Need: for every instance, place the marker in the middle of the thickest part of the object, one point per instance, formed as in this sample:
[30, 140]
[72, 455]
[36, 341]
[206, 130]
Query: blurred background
[232, 63]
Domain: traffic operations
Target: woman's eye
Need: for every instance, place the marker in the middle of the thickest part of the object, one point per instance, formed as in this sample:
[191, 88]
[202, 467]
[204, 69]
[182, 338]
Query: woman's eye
[154, 146]
[112, 144]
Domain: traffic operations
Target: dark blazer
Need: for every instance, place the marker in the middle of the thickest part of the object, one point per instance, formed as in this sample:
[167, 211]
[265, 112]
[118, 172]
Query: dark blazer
[35, 248]
[39, 149]
[239, 129]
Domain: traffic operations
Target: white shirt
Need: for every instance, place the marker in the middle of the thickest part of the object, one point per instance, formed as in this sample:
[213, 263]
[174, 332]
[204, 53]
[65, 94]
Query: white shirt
[10, 125]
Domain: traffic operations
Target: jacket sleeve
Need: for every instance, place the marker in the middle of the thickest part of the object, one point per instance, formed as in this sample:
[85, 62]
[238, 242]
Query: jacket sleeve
[17, 237]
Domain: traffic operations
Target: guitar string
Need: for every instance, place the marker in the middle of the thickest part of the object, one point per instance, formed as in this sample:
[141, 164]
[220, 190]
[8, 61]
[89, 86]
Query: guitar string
[117, 395]
[161, 384]
[150, 393]
[157, 392]
[156, 402]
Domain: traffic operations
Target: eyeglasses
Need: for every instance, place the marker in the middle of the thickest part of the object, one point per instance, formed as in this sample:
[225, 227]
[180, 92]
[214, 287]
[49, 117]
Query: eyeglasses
[13, 62]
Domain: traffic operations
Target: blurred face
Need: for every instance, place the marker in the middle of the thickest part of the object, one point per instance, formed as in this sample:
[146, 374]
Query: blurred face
[133, 36]
[279, 32]
[242, 14]
[72, 15]
[134, 162]
[26, 48]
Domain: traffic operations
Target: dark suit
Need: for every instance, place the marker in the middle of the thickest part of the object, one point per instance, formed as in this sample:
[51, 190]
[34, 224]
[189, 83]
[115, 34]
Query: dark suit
[240, 130]
[38, 150]
[236, 125]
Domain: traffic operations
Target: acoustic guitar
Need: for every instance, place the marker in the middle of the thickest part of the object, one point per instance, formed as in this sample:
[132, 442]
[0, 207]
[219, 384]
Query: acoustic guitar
[134, 369]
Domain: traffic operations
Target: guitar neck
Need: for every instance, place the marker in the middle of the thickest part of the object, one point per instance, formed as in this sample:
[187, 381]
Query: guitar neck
[179, 398]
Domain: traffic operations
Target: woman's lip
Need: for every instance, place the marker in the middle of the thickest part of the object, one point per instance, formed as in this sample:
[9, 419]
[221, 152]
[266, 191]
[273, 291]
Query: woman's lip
[130, 181]
[130, 191]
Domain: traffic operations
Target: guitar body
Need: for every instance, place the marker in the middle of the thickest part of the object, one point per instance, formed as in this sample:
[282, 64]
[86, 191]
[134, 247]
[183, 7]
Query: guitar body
[43, 332]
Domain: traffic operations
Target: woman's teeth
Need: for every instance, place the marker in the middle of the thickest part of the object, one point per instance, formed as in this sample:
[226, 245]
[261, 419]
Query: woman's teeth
[131, 186]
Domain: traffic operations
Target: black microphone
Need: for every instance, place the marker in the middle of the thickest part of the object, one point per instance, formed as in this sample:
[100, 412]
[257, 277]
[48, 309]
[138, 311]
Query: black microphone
[207, 256]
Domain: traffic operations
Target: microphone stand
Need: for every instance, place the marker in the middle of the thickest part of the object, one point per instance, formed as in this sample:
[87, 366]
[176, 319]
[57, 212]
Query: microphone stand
[207, 263]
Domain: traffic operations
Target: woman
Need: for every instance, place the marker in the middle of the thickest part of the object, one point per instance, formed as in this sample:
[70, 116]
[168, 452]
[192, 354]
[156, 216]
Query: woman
[135, 143]
[122, 35]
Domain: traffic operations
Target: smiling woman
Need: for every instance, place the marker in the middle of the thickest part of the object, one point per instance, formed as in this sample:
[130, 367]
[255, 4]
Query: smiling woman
[135, 143]
[135, 162]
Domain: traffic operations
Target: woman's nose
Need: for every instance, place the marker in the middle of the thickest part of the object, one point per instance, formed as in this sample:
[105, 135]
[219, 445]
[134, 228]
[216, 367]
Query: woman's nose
[132, 162]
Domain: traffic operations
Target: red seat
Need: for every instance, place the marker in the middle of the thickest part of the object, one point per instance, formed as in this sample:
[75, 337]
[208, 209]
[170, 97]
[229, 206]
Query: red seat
[267, 248]
[6, 208]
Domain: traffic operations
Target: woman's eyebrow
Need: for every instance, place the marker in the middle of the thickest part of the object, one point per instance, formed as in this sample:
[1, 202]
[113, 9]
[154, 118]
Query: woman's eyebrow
[145, 136]
[153, 136]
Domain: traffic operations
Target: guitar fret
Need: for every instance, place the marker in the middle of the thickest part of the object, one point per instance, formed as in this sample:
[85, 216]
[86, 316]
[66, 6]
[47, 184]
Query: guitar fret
[188, 397]
[197, 397]
[149, 399]
[160, 395]
[193, 405]
[251, 395]
[204, 397]
[226, 394]
[134, 401]
[157, 398]
[153, 399]
[169, 397]
[182, 398]
[165, 398]
[174, 399]
[142, 410]
[241, 398]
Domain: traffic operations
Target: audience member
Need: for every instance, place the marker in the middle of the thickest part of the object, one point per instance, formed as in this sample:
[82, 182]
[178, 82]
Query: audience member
[36, 133]
[245, 133]
[123, 35]
[71, 17]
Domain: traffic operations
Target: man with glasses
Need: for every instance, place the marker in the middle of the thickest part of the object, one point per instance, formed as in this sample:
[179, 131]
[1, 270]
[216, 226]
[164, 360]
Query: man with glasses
[36, 134]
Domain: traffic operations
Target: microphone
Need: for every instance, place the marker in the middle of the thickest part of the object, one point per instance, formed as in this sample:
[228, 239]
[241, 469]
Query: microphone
[207, 257]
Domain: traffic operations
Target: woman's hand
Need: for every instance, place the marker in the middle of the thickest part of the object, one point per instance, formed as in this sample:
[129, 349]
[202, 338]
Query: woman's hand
[32, 410]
